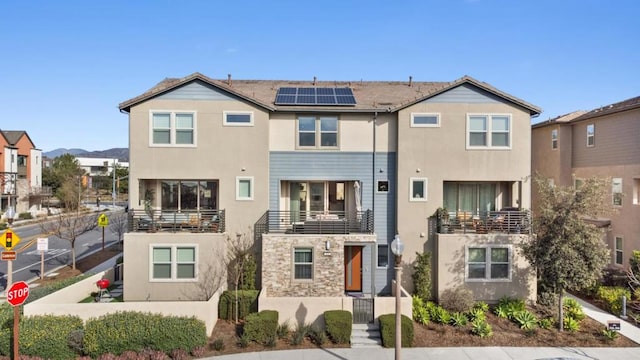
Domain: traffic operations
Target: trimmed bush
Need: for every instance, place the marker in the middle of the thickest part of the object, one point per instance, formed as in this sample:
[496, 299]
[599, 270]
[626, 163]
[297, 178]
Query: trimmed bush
[131, 330]
[247, 304]
[388, 330]
[339, 324]
[459, 299]
[422, 276]
[43, 336]
[612, 297]
[262, 326]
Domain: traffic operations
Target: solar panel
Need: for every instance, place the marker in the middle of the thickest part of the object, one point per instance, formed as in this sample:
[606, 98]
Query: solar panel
[315, 96]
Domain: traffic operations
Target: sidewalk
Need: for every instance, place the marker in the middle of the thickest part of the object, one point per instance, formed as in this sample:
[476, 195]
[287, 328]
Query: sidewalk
[626, 328]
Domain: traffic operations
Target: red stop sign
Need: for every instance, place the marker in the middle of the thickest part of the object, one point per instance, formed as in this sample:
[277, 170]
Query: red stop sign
[18, 293]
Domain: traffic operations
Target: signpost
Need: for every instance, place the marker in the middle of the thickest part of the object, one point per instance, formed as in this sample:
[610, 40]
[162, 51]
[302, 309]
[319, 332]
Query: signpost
[9, 239]
[16, 296]
[103, 221]
[43, 246]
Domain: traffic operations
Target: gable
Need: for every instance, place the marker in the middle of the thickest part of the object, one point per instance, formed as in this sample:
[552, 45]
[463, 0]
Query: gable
[197, 90]
[466, 93]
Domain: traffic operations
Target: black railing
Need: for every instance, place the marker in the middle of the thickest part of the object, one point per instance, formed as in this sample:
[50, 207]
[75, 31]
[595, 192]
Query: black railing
[503, 221]
[314, 222]
[173, 220]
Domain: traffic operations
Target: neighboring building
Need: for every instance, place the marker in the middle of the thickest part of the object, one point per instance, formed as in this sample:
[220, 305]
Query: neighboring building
[21, 173]
[604, 143]
[324, 174]
[99, 166]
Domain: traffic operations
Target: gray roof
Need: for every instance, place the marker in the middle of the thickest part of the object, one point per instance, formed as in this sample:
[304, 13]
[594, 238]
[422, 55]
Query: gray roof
[13, 136]
[562, 119]
[371, 95]
[625, 105]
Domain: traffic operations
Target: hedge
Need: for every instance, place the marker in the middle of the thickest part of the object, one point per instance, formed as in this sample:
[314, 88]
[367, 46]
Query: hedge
[43, 336]
[339, 324]
[260, 327]
[247, 304]
[388, 330]
[612, 297]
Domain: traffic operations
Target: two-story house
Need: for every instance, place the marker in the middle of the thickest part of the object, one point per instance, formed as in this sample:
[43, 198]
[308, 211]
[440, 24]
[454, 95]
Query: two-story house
[602, 142]
[325, 174]
[20, 172]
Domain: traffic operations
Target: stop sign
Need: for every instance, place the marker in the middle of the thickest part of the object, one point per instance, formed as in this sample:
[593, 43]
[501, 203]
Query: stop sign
[18, 293]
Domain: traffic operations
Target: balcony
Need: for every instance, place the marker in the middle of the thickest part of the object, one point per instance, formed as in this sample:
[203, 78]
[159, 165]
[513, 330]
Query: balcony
[208, 221]
[505, 221]
[35, 191]
[313, 222]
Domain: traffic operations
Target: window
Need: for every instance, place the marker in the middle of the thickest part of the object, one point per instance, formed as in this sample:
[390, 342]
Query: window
[383, 186]
[172, 129]
[317, 132]
[554, 139]
[425, 120]
[616, 191]
[489, 263]
[488, 131]
[244, 188]
[418, 189]
[383, 255]
[476, 198]
[303, 264]
[173, 262]
[619, 253]
[237, 118]
[591, 135]
[636, 191]
[189, 195]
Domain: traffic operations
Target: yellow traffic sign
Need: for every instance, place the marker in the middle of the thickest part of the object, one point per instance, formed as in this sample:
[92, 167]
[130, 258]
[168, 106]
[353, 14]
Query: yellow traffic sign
[9, 239]
[103, 220]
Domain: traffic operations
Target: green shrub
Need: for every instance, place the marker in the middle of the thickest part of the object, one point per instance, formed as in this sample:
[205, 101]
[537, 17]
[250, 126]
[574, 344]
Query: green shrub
[131, 330]
[459, 299]
[610, 335]
[440, 315]
[525, 319]
[218, 344]
[458, 319]
[420, 311]
[546, 323]
[248, 281]
[481, 328]
[573, 309]
[339, 324]
[283, 330]
[483, 306]
[25, 216]
[243, 341]
[422, 276]
[571, 324]
[612, 297]
[301, 330]
[388, 330]
[318, 335]
[259, 327]
[478, 313]
[247, 304]
[44, 336]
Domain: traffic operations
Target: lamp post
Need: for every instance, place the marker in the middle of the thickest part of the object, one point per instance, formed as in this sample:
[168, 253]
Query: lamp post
[397, 247]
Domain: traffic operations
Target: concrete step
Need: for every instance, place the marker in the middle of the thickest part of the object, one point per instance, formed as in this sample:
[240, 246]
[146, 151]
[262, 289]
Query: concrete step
[365, 336]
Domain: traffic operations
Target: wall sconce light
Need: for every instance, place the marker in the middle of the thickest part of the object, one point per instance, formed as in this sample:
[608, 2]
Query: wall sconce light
[418, 170]
[327, 245]
[381, 170]
[243, 169]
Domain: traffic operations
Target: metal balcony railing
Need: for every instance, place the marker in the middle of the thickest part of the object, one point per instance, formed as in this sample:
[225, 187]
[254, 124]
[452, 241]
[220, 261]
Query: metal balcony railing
[212, 221]
[504, 221]
[314, 222]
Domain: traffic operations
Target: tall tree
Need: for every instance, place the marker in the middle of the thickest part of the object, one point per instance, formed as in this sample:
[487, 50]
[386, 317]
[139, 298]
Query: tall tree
[568, 250]
[64, 178]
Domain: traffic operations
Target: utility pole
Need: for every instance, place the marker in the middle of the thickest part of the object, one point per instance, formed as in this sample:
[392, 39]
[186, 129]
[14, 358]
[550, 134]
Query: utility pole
[113, 187]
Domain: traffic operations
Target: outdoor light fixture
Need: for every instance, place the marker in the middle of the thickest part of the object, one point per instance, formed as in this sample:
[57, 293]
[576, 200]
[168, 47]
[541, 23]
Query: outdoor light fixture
[397, 247]
[327, 245]
[10, 214]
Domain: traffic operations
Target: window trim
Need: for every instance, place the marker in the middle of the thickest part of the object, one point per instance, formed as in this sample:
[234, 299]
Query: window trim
[174, 262]
[487, 271]
[318, 132]
[619, 250]
[414, 115]
[425, 181]
[294, 263]
[591, 135]
[225, 122]
[173, 129]
[489, 132]
[378, 246]
[251, 188]
[554, 139]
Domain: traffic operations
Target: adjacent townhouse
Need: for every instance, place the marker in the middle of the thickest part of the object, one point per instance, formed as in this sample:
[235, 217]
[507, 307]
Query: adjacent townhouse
[602, 142]
[323, 175]
[20, 173]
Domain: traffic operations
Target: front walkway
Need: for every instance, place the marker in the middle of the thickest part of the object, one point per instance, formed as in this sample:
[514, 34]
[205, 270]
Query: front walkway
[626, 328]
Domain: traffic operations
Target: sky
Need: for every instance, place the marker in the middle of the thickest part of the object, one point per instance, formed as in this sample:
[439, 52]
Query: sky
[66, 65]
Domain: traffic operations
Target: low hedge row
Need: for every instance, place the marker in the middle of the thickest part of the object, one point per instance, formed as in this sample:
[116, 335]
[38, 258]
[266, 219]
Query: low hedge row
[247, 304]
[612, 297]
[339, 324]
[388, 330]
[262, 326]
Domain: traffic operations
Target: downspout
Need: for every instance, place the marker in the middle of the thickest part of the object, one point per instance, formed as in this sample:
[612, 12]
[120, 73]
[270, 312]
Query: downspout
[374, 265]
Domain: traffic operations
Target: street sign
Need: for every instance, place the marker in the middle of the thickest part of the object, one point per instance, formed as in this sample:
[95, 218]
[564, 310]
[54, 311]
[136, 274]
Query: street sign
[613, 325]
[9, 239]
[18, 293]
[43, 244]
[8, 255]
[103, 220]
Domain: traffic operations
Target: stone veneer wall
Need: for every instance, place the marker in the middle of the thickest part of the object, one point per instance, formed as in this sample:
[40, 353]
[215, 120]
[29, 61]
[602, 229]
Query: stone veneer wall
[328, 266]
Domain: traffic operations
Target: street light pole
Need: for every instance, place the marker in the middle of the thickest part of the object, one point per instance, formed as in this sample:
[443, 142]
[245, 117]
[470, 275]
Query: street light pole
[113, 185]
[397, 247]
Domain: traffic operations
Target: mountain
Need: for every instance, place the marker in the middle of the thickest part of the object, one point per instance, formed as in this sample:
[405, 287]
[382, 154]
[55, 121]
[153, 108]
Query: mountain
[122, 154]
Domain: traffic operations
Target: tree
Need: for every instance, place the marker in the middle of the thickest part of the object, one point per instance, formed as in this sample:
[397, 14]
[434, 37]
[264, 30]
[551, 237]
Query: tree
[118, 225]
[567, 250]
[69, 227]
[64, 178]
[240, 256]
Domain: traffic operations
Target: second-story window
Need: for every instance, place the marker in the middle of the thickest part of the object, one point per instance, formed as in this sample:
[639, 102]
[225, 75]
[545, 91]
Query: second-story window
[616, 191]
[554, 139]
[488, 131]
[317, 132]
[591, 135]
[173, 129]
[238, 118]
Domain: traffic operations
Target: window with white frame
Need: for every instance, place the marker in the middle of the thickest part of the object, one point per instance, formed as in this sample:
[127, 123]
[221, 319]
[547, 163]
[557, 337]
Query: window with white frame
[425, 120]
[173, 128]
[383, 255]
[173, 262]
[303, 263]
[317, 132]
[488, 263]
[488, 131]
[591, 135]
[418, 189]
[554, 139]
[238, 118]
[636, 191]
[619, 252]
[244, 188]
[616, 191]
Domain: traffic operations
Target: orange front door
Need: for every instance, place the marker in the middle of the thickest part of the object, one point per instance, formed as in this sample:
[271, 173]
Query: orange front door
[353, 268]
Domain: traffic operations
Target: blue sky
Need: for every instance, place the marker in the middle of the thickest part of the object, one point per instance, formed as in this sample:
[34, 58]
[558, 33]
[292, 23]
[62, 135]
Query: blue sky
[66, 65]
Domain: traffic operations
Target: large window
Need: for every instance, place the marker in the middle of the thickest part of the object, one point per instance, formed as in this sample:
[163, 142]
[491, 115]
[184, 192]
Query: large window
[488, 131]
[425, 120]
[238, 118]
[173, 262]
[591, 135]
[477, 198]
[303, 264]
[317, 132]
[554, 139]
[489, 263]
[616, 191]
[173, 129]
[417, 189]
[189, 195]
[383, 255]
[619, 252]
